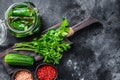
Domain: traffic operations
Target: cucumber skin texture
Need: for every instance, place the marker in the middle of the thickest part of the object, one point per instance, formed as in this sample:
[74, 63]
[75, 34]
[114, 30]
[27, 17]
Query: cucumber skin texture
[19, 59]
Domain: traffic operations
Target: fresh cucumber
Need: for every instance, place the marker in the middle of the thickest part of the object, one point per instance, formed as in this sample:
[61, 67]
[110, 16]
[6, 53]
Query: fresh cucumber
[19, 59]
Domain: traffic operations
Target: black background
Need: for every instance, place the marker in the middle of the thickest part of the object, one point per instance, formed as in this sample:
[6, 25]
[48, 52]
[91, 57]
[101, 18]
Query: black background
[95, 53]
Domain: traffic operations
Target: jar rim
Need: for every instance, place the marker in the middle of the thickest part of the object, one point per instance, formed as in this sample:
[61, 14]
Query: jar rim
[7, 12]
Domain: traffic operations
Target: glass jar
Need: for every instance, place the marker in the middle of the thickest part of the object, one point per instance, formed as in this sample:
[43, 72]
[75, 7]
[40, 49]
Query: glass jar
[22, 19]
[3, 33]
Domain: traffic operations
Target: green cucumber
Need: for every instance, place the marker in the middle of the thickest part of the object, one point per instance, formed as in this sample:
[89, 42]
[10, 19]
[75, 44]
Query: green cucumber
[19, 59]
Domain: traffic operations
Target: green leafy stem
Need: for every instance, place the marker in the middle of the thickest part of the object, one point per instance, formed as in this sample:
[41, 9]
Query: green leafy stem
[50, 45]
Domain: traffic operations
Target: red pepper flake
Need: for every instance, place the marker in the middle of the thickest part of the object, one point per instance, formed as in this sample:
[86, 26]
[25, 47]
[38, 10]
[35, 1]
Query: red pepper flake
[46, 72]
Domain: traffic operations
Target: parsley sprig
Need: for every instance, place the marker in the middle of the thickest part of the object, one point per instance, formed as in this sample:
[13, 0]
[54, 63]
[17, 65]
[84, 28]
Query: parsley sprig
[50, 45]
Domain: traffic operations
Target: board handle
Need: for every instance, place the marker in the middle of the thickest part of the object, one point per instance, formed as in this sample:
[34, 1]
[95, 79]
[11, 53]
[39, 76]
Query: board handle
[90, 20]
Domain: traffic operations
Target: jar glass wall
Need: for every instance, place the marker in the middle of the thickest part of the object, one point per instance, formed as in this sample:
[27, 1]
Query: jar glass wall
[22, 19]
[3, 33]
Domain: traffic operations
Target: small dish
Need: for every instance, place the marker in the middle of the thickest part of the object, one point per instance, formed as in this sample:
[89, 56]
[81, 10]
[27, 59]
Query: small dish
[22, 70]
[53, 68]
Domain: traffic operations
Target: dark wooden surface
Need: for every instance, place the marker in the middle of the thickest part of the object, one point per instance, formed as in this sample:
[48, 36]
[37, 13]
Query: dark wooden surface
[95, 53]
